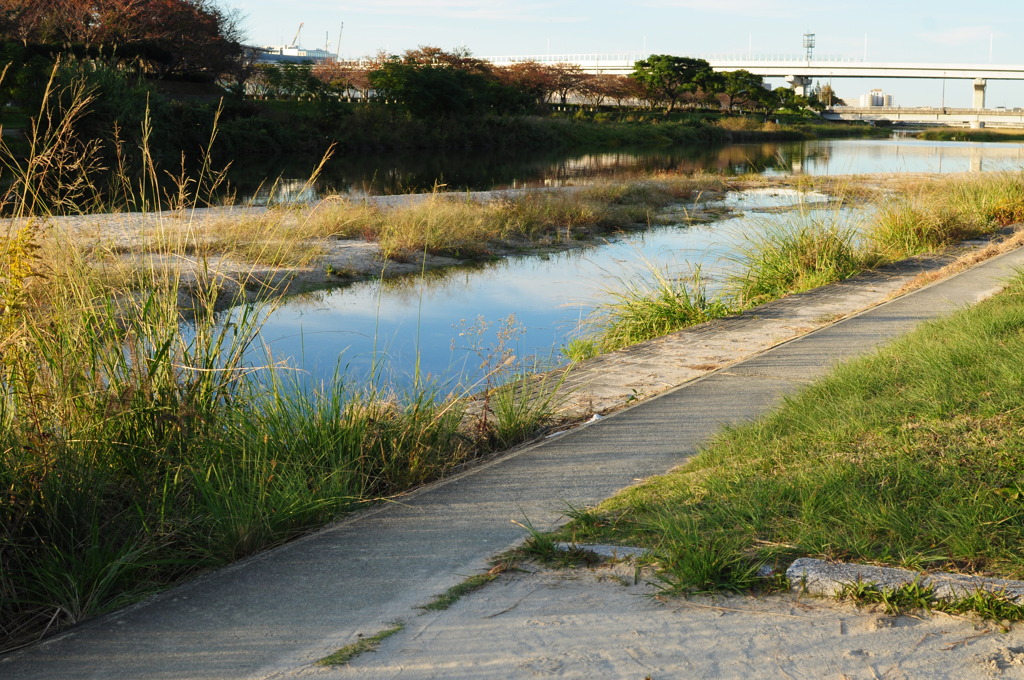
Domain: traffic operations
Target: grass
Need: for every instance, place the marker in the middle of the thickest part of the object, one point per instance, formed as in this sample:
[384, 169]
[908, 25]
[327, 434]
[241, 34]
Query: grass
[138, 444]
[913, 596]
[927, 216]
[910, 457]
[971, 135]
[644, 306]
[801, 250]
[136, 451]
[796, 253]
[291, 237]
[455, 225]
[460, 590]
[360, 646]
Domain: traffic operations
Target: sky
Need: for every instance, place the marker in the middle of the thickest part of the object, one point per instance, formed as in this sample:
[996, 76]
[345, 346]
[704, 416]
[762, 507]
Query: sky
[897, 31]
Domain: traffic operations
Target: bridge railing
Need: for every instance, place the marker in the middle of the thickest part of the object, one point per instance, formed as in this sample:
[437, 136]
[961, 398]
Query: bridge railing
[631, 57]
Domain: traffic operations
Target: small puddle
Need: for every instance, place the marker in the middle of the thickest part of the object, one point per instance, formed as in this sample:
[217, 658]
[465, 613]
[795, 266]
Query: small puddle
[773, 197]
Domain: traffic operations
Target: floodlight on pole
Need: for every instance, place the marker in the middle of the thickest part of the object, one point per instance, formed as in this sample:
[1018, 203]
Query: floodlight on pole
[809, 44]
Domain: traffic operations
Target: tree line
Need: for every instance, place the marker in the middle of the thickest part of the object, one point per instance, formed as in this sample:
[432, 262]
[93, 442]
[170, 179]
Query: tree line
[429, 81]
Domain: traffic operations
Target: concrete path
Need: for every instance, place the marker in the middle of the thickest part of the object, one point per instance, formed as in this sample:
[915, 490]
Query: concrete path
[274, 615]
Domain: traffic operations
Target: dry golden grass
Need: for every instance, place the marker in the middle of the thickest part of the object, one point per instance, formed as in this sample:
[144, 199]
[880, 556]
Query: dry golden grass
[963, 263]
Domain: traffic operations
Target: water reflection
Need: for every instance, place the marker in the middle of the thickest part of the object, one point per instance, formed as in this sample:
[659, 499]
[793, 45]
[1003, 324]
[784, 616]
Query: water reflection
[364, 174]
[411, 322]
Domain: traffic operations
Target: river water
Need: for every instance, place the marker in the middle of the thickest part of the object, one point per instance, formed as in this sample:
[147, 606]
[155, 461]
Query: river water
[407, 172]
[446, 324]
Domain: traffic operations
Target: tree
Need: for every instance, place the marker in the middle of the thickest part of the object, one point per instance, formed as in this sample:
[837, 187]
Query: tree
[162, 37]
[565, 78]
[266, 81]
[827, 97]
[666, 78]
[433, 90]
[621, 89]
[592, 89]
[742, 88]
[460, 58]
[530, 77]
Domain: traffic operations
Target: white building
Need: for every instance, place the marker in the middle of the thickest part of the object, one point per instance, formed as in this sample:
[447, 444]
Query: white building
[876, 98]
[294, 54]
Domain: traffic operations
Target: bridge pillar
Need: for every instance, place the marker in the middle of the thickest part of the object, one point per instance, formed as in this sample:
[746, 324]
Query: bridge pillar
[800, 84]
[979, 93]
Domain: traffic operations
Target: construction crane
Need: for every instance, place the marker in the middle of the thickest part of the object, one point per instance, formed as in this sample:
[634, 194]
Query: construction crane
[295, 40]
[337, 52]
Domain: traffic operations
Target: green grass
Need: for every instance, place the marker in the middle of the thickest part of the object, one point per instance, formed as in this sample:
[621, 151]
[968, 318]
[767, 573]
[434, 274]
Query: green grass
[645, 305]
[139, 445]
[793, 254]
[912, 597]
[911, 457]
[361, 646]
[929, 216]
[460, 590]
[970, 135]
[800, 250]
[135, 452]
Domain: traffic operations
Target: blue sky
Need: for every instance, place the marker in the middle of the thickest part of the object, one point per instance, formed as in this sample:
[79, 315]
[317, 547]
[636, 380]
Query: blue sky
[935, 31]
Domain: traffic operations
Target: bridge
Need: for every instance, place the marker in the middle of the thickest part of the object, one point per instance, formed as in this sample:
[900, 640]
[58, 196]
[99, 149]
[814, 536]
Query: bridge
[799, 72]
[975, 118]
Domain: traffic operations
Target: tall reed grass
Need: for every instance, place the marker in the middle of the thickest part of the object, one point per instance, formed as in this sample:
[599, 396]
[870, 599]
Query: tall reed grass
[930, 215]
[801, 251]
[136, 448]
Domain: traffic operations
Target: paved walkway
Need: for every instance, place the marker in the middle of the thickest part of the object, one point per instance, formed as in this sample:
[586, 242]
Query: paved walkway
[275, 614]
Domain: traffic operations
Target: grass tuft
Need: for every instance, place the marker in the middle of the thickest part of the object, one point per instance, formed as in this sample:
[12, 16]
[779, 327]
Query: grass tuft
[795, 254]
[458, 591]
[911, 597]
[360, 646]
[648, 305]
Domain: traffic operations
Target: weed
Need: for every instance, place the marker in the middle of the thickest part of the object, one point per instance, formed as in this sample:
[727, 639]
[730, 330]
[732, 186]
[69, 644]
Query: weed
[648, 306]
[990, 606]
[456, 592]
[524, 406]
[360, 646]
[792, 255]
[911, 596]
[544, 547]
[694, 560]
[579, 349]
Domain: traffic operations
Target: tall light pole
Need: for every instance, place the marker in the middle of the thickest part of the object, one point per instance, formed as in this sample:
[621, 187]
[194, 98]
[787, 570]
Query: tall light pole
[809, 45]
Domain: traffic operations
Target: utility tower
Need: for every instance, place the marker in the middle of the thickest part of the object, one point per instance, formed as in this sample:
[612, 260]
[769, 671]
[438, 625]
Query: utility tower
[809, 45]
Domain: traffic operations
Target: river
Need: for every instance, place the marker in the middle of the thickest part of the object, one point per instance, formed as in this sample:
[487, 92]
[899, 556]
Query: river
[444, 325]
[388, 173]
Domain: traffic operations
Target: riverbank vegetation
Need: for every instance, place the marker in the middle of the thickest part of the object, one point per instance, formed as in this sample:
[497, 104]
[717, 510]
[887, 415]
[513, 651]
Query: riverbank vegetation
[910, 457]
[944, 134]
[805, 249]
[137, 450]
